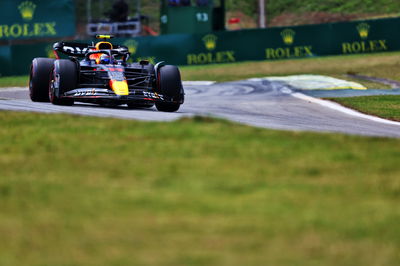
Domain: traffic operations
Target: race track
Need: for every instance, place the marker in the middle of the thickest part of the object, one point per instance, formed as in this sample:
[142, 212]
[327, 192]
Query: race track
[260, 103]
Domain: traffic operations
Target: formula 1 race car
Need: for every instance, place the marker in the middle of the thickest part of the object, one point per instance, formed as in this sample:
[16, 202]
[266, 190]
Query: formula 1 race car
[100, 74]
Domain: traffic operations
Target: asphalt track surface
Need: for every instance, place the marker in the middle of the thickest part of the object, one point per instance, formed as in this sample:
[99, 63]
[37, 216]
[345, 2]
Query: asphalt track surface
[258, 103]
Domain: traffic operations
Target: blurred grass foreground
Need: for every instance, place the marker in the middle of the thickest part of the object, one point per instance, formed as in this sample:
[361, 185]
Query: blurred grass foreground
[199, 191]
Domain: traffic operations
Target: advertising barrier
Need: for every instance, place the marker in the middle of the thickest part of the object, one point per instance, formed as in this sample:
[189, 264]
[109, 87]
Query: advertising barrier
[36, 19]
[357, 37]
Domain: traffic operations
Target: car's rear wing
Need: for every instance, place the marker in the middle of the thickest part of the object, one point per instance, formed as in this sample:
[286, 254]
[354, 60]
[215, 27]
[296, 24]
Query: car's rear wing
[80, 49]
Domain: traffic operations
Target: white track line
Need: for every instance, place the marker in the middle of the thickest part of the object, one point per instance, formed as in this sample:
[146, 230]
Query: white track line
[14, 89]
[197, 83]
[342, 109]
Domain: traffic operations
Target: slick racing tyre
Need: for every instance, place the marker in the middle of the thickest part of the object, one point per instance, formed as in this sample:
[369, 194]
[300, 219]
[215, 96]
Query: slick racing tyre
[64, 78]
[39, 79]
[169, 84]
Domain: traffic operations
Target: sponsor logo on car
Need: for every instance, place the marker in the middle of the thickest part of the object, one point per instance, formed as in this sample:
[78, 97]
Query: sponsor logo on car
[75, 50]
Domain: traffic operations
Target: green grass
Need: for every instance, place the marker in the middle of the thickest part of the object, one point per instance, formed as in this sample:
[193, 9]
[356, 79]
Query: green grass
[91, 191]
[275, 8]
[382, 106]
[14, 81]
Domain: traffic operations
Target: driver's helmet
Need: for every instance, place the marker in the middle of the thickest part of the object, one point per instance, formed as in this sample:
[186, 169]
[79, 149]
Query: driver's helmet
[105, 59]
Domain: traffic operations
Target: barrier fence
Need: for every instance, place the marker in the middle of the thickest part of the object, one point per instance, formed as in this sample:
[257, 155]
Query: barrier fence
[36, 19]
[357, 37]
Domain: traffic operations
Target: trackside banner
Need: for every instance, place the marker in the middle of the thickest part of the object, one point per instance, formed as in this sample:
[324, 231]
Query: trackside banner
[33, 19]
[357, 37]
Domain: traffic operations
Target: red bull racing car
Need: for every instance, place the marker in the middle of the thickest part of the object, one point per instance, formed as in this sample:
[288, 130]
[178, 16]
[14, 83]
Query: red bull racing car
[100, 74]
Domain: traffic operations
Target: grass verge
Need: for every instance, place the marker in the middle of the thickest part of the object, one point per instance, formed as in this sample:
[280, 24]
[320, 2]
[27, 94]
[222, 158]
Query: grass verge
[92, 191]
[387, 106]
[14, 81]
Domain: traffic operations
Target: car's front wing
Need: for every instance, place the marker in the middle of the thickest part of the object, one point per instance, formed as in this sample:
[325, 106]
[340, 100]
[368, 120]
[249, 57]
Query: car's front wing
[107, 94]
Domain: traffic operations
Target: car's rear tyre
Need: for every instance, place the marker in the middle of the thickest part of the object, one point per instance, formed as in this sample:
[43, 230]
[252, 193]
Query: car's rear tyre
[39, 79]
[64, 78]
[169, 84]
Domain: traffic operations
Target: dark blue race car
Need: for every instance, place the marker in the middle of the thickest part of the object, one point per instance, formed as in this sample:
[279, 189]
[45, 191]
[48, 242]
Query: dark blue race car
[100, 74]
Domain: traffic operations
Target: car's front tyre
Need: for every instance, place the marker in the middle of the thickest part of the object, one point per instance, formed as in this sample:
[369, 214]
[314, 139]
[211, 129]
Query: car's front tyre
[64, 78]
[169, 84]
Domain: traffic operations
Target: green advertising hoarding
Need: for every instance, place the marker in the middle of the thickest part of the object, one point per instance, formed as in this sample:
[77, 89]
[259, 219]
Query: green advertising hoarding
[33, 19]
[357, 37]
[345, 38]
[366, 36]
